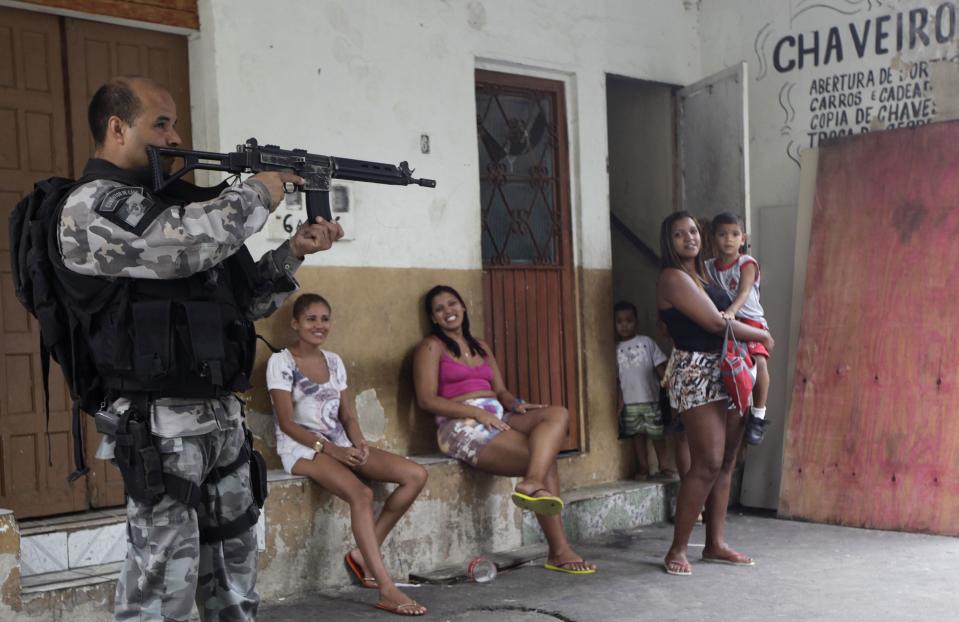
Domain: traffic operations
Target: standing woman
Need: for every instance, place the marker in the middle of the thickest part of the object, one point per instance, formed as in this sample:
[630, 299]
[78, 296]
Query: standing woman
[690, 304]
[318, 436]
[484, 425]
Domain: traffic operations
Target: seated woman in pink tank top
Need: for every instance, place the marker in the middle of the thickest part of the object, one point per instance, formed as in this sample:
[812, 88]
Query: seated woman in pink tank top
[457, 380]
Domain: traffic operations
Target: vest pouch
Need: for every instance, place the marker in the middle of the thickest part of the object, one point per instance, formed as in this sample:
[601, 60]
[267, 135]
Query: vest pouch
[206, 339]
[138, 459]
[152, 337]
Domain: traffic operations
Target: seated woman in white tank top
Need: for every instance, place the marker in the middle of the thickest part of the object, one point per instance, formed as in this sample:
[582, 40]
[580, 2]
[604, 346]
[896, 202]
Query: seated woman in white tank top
[318, 435]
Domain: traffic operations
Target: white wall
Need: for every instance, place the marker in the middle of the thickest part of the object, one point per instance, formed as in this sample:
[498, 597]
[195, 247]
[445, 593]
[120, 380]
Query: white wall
[781, 102]
[365, 78]
[786, 105]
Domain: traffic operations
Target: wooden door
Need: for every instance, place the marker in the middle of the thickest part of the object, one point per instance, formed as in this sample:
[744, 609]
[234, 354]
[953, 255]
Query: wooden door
[95, 53]
[45, 132]
[527, 249]
[34, 461]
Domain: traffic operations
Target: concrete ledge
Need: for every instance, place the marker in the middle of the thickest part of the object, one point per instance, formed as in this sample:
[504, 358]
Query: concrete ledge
[460, 514]
[597, 510]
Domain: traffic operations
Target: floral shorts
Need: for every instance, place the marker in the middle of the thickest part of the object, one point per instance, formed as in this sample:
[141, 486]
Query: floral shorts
[464, 438]
[693, 379]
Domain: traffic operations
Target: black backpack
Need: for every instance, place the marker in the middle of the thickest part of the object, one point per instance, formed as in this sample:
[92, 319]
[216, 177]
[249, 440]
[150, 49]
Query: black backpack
[34, 258]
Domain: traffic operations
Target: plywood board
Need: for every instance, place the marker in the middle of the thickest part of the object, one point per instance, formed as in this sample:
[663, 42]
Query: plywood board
[873, 439]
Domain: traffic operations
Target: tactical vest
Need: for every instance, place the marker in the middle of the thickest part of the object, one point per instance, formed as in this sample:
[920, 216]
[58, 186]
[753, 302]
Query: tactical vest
[186, 337]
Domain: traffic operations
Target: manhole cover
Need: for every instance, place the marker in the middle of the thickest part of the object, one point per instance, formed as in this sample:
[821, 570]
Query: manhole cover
[513, 614]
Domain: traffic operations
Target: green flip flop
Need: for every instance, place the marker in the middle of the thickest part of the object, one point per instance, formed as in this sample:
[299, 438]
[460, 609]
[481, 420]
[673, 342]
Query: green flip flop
[547, 506]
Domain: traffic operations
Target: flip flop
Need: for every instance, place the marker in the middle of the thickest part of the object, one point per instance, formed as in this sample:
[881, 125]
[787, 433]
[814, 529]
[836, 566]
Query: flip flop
[678, 568]
[367, 582]
[564, 567]
[547, 506]
[405, 609]
[738, 559]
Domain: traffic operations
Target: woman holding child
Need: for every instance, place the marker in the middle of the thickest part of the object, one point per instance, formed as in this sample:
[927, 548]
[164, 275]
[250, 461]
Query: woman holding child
[318, 436]
[691, 306]
[484, 425]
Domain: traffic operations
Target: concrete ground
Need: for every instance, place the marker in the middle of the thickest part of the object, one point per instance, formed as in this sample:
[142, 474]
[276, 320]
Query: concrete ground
[803, 572]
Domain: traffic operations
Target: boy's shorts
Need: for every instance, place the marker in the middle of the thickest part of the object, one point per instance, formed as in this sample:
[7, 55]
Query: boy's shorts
[756, 348]
[643, 418]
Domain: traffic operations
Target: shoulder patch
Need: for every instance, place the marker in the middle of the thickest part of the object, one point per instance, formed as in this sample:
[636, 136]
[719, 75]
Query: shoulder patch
[127, 206]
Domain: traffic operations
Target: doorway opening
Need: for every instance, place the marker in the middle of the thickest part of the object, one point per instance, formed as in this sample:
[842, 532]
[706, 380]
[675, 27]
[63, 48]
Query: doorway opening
[641, 122]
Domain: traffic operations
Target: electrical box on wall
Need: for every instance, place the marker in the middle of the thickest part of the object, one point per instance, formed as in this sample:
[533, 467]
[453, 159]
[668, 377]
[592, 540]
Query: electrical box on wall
[291, 212]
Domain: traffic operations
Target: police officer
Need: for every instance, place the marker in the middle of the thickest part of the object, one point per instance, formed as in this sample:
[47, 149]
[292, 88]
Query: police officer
[167, 293]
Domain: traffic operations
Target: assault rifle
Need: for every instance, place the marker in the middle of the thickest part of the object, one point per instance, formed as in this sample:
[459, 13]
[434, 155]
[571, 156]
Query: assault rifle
[317, 170]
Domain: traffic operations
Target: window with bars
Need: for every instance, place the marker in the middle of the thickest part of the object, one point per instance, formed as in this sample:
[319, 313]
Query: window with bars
[517, 151]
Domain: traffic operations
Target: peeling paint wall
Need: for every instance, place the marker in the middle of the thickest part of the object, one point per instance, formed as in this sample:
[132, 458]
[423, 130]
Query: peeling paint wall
[88, 603]
[9, 565]
[370, 78]
[824, 69]
[366, 79]
[377, 345]
[378, 320]
[854, 64]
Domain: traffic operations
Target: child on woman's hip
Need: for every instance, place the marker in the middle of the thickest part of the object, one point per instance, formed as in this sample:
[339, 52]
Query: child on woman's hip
[738, 273]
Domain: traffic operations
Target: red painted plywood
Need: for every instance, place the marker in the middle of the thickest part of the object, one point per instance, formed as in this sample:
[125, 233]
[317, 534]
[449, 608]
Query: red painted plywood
[873, 435]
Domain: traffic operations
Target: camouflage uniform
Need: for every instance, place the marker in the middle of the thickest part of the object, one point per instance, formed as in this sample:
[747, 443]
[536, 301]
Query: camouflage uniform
[167, 565]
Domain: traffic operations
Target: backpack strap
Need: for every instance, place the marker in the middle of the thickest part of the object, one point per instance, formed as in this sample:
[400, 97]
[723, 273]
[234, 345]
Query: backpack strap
[79, 460]
[45, 372]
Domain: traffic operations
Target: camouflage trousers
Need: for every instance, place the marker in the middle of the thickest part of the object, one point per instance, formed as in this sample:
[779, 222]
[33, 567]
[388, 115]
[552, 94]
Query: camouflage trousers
[167, 566]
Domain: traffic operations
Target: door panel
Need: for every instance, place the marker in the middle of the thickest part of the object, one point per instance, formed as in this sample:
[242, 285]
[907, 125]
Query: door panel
[97, 52]
[35, 457]
[527, 250]
[713, 137]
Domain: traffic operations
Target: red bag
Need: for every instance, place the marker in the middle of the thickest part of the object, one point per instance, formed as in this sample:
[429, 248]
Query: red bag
[735, 369]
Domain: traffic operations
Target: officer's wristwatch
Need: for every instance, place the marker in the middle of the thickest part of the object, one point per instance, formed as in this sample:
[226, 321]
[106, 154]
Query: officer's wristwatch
[318, 445]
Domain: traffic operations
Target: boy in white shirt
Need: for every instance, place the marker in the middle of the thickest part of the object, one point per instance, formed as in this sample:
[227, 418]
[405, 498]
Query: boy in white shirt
[641, 366]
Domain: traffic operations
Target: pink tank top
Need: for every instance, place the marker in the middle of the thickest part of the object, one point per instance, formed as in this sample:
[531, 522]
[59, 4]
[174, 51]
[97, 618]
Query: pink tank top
[458, 378]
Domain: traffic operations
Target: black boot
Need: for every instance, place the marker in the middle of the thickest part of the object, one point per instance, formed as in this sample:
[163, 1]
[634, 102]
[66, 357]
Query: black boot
[755, 430]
